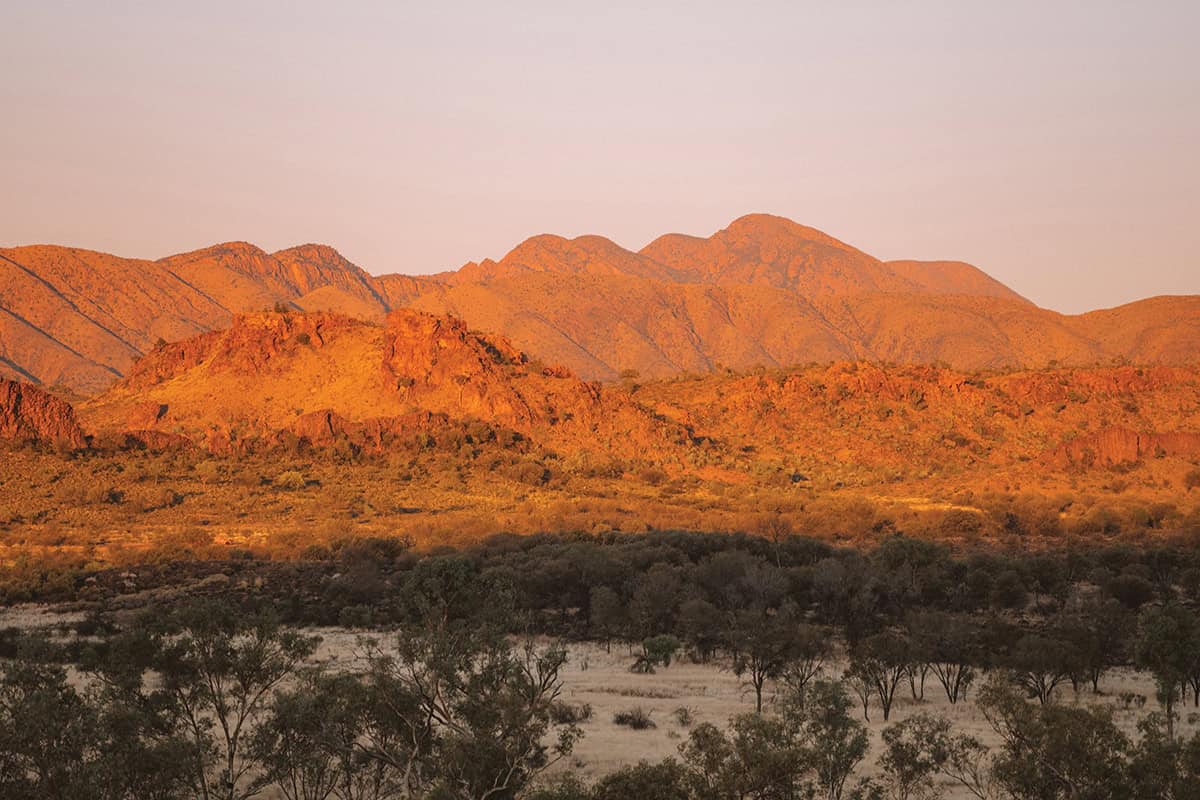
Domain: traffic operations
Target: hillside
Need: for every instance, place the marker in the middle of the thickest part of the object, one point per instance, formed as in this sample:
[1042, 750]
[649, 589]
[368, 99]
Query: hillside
[79, 319]
[304, 374]
[875, 424]
[324, 376]
[764, 291]
[419, 426]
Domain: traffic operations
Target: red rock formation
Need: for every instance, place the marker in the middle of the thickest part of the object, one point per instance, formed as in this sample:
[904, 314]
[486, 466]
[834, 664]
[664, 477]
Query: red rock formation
[324, 428]
[27, 414]
[1116, 445]
[249, 345]
[437, 360]
[155, 441]
[323, 378]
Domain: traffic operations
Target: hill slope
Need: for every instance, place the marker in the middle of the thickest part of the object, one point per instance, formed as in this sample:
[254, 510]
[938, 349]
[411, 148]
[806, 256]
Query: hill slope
[271, 378]
[80, 319]
[271, 372]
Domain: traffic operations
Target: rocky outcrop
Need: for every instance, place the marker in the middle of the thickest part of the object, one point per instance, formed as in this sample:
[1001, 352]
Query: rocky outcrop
[29, 415]
[326, 379]
[251, 344]
[1116, 445]
[326, 429]
[437, 360]
[154, 441]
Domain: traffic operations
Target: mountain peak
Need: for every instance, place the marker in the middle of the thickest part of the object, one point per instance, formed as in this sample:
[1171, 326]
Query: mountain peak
[313, 252]
[774, 251]
[224, 250]
[762, 227]
[588, 254]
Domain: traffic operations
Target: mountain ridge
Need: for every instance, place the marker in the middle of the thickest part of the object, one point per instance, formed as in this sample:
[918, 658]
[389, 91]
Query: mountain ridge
[762, 291]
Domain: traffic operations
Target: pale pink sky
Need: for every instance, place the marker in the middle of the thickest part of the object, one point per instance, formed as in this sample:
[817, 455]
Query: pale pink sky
[1053, 144]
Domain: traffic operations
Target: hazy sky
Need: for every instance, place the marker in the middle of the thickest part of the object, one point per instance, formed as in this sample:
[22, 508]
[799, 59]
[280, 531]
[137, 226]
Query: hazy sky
[1054, 144]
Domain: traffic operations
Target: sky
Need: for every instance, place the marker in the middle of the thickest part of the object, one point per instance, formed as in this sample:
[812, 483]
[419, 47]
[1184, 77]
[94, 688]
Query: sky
[1056, 145]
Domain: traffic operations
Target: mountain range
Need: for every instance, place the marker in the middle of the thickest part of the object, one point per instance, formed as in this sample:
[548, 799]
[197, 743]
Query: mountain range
[764, 291]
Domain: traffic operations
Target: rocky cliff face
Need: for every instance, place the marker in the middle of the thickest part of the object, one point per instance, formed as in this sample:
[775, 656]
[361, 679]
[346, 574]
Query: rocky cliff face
[1117, 445]
[27, 414]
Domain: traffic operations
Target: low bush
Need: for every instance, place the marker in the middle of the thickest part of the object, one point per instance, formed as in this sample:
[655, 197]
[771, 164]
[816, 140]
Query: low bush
[684, 716]
[290, 481]
[636, 718]
[570, 714]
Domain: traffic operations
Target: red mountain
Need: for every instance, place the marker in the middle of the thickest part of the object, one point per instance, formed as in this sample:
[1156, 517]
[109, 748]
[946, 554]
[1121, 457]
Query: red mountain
[763, 291]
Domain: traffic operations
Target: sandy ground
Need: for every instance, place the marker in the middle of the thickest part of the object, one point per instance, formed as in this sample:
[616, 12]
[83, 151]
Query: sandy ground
[35, 616]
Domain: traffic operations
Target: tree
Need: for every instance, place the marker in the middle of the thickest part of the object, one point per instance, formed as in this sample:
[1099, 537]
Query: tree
[1055, 752]
[144, 756]
[1040, 663]
[656, 651]
[762, 756]
[1163, 768]
[1099, 633]
[1165, 647]
[700, 623]
[709, 757]
[834, 742]
[908, 764]
[308, 745]
[764, 643]
[217, 668]
[662, 781]
[924, 746]
[560, 787]
[656, 595]
[912, 561]
[810, 750]
[811, 649]
[60, 743]
[879, 663]
[459, 711]
[949, 644]
[607, 618]
[775, 528]
[48, 735]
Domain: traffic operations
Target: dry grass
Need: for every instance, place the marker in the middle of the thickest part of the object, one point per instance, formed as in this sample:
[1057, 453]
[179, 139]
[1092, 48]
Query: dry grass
[712, 693]
[128, 508]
